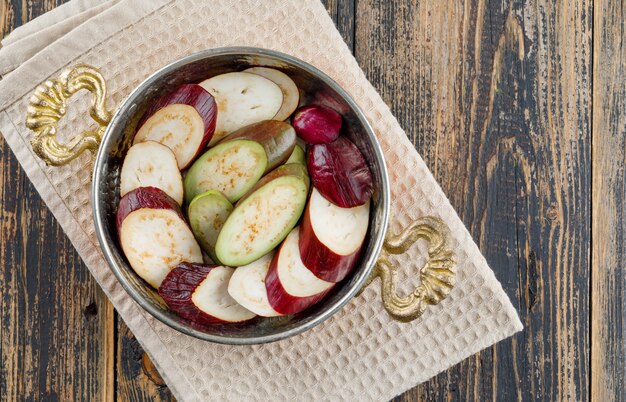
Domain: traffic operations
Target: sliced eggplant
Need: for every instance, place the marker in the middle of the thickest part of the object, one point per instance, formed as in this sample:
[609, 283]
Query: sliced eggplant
[340, 173]
[150, 164]
[153, 234]
[317, 124]
[247, 287]
[291, 169]
[262, 219]
[291, 286]
[277, 137]
[291, 94]
[231, 168]
[183, 120]
[331, 237]
[207, 213]
[242, 99]
[199, 293]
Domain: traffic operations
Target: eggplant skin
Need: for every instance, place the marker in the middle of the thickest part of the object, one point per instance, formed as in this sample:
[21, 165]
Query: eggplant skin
[317, 124]
[145, 197]
[195, 96]
[340, 173]
[277, 138]
[279, 299]
[177, 289]
[319, 259]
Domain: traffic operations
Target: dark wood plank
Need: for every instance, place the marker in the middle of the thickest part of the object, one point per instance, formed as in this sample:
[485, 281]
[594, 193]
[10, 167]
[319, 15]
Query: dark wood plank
[608, 329]
[7, 17]
[32, 9]
[137, 378]
[56, 333]
[56, 325]
[504, 88]
[496, 97]
[343, 14]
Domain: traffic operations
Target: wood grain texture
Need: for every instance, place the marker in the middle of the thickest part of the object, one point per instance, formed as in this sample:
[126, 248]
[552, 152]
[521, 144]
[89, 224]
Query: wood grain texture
[496, 97]
[343, 14]
[56, 336]
[8, 17]
[56, 325]
[137, 378]
[608, 329]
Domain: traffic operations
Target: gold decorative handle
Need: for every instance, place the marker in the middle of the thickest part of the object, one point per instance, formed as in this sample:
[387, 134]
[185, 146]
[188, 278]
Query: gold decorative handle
[49, 104]
[437, 276]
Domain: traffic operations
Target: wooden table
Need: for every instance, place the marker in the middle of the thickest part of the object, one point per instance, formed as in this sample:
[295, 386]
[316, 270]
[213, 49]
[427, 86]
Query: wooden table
[518, 108]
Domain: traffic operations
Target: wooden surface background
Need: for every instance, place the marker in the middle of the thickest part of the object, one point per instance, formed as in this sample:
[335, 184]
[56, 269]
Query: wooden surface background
[518, 108]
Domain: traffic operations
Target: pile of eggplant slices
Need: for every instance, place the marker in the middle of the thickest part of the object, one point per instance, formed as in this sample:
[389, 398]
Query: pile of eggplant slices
[238, 201]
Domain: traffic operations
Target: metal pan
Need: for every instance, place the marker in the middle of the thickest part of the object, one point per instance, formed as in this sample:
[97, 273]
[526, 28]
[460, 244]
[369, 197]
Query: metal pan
[114, 136]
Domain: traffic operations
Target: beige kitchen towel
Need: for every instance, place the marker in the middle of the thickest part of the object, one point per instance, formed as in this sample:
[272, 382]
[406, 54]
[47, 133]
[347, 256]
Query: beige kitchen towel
[21, 45]
[360, 353]
[54, 16]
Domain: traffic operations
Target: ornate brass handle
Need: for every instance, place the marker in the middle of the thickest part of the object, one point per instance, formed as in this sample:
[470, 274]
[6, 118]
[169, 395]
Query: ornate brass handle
[49, 104]
[437, 276]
